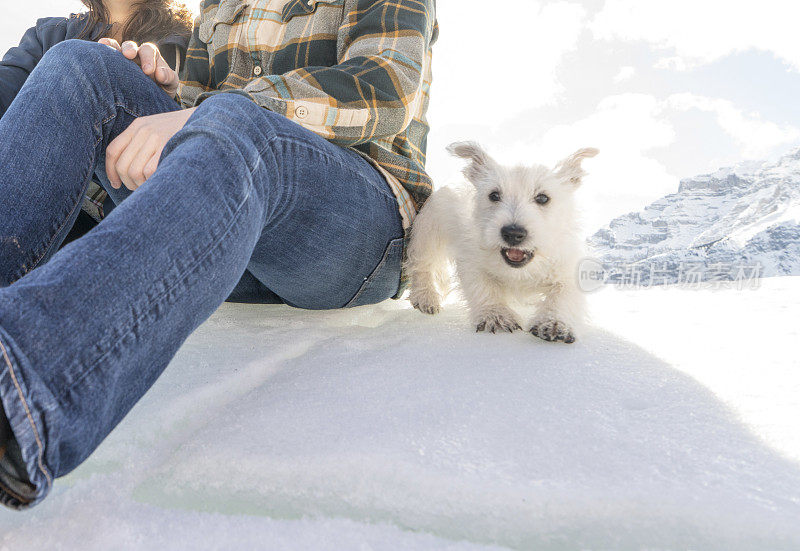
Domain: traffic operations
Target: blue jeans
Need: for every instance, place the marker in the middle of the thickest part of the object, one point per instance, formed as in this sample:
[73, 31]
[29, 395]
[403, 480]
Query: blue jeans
[238, 188]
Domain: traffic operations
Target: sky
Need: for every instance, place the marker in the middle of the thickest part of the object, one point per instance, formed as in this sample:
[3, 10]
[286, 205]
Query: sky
[665, 90]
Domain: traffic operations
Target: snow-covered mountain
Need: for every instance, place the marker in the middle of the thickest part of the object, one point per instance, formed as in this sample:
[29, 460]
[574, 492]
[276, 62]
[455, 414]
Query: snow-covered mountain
[733, 224]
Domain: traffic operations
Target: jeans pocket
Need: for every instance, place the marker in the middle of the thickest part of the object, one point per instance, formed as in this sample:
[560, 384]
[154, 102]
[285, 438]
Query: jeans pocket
[384, 280]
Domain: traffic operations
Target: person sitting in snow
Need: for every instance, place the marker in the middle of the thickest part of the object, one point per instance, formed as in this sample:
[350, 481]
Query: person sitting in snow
[285, 165]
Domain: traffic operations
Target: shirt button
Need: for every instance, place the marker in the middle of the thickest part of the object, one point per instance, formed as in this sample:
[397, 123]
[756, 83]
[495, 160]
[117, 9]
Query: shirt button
[310, 2]
[257, 70]
[301, 112]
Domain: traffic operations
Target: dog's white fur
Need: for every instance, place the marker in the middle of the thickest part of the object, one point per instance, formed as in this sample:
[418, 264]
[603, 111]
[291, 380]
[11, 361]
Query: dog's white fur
[462, 224]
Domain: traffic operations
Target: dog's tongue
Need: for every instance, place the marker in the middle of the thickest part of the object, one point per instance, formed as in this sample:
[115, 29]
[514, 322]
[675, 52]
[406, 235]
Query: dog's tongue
[515, 255]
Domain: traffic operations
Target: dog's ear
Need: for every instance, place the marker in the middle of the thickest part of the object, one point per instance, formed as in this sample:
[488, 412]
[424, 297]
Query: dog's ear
[570, 168]
[481, 166]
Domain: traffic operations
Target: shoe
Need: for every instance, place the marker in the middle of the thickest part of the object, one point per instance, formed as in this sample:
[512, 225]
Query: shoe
[5, 429]
[13, 477]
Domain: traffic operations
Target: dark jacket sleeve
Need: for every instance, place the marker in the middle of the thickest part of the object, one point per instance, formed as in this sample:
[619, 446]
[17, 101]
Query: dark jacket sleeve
[173, 50]
[16, 65]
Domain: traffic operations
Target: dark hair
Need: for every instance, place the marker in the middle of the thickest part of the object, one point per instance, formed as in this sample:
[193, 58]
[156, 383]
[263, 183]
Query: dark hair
[150, 20]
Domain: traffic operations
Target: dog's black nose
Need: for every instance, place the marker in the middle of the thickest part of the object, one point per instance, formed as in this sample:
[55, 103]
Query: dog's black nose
[513, 234]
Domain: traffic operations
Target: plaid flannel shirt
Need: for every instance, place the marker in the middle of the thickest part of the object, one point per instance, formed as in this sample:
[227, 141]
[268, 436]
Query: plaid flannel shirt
[356, 72]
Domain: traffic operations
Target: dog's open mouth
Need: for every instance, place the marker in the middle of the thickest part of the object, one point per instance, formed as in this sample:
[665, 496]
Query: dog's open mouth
[516, 258]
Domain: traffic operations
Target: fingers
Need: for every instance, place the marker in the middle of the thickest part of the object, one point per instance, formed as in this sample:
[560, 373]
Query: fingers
[149, 56]
[165, 76]
[145, 162]
[168, 79]
[133, 160]
[130, 50]
[111, 43]
[161, 72]
[152, 165]
[133, 156]
[113, 152]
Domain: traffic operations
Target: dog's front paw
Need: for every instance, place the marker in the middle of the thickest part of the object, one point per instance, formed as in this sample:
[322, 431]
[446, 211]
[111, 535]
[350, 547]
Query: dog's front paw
[497, 320]
[427, 302]
[552, 330]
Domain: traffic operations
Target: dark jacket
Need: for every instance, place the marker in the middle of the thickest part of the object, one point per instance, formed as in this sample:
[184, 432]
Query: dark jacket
[19, 61]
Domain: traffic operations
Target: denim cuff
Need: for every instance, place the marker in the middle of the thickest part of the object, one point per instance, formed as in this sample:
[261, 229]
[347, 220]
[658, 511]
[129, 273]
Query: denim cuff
[26, 424]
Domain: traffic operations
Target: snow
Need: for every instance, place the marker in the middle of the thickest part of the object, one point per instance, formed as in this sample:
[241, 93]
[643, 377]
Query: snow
[673, 423]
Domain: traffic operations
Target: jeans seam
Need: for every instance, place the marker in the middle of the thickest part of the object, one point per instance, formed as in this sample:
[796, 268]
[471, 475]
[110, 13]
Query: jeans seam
[52, 238]
[40, 256]
[384, 259]
[133, 326]
[40, 458]
[112, 117]
[79, 203]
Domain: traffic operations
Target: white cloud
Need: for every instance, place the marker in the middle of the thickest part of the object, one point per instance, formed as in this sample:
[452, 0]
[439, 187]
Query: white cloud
[756, 137]
[627, 128]
[625, 73]
[491, 64]
[702, 32]
[673, 63]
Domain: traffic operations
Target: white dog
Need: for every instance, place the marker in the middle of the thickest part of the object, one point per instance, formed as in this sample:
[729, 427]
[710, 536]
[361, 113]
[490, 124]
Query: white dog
[513, 237]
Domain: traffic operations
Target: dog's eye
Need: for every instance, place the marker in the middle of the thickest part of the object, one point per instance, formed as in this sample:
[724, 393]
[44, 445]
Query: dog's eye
[494, 196]
[541, 198]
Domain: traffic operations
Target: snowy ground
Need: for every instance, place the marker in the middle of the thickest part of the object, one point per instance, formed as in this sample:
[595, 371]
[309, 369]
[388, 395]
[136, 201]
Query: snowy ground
[673, 424]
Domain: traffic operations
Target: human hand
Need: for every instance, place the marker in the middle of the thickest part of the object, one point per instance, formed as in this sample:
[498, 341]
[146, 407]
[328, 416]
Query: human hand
[132, 158]
[150, 60]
